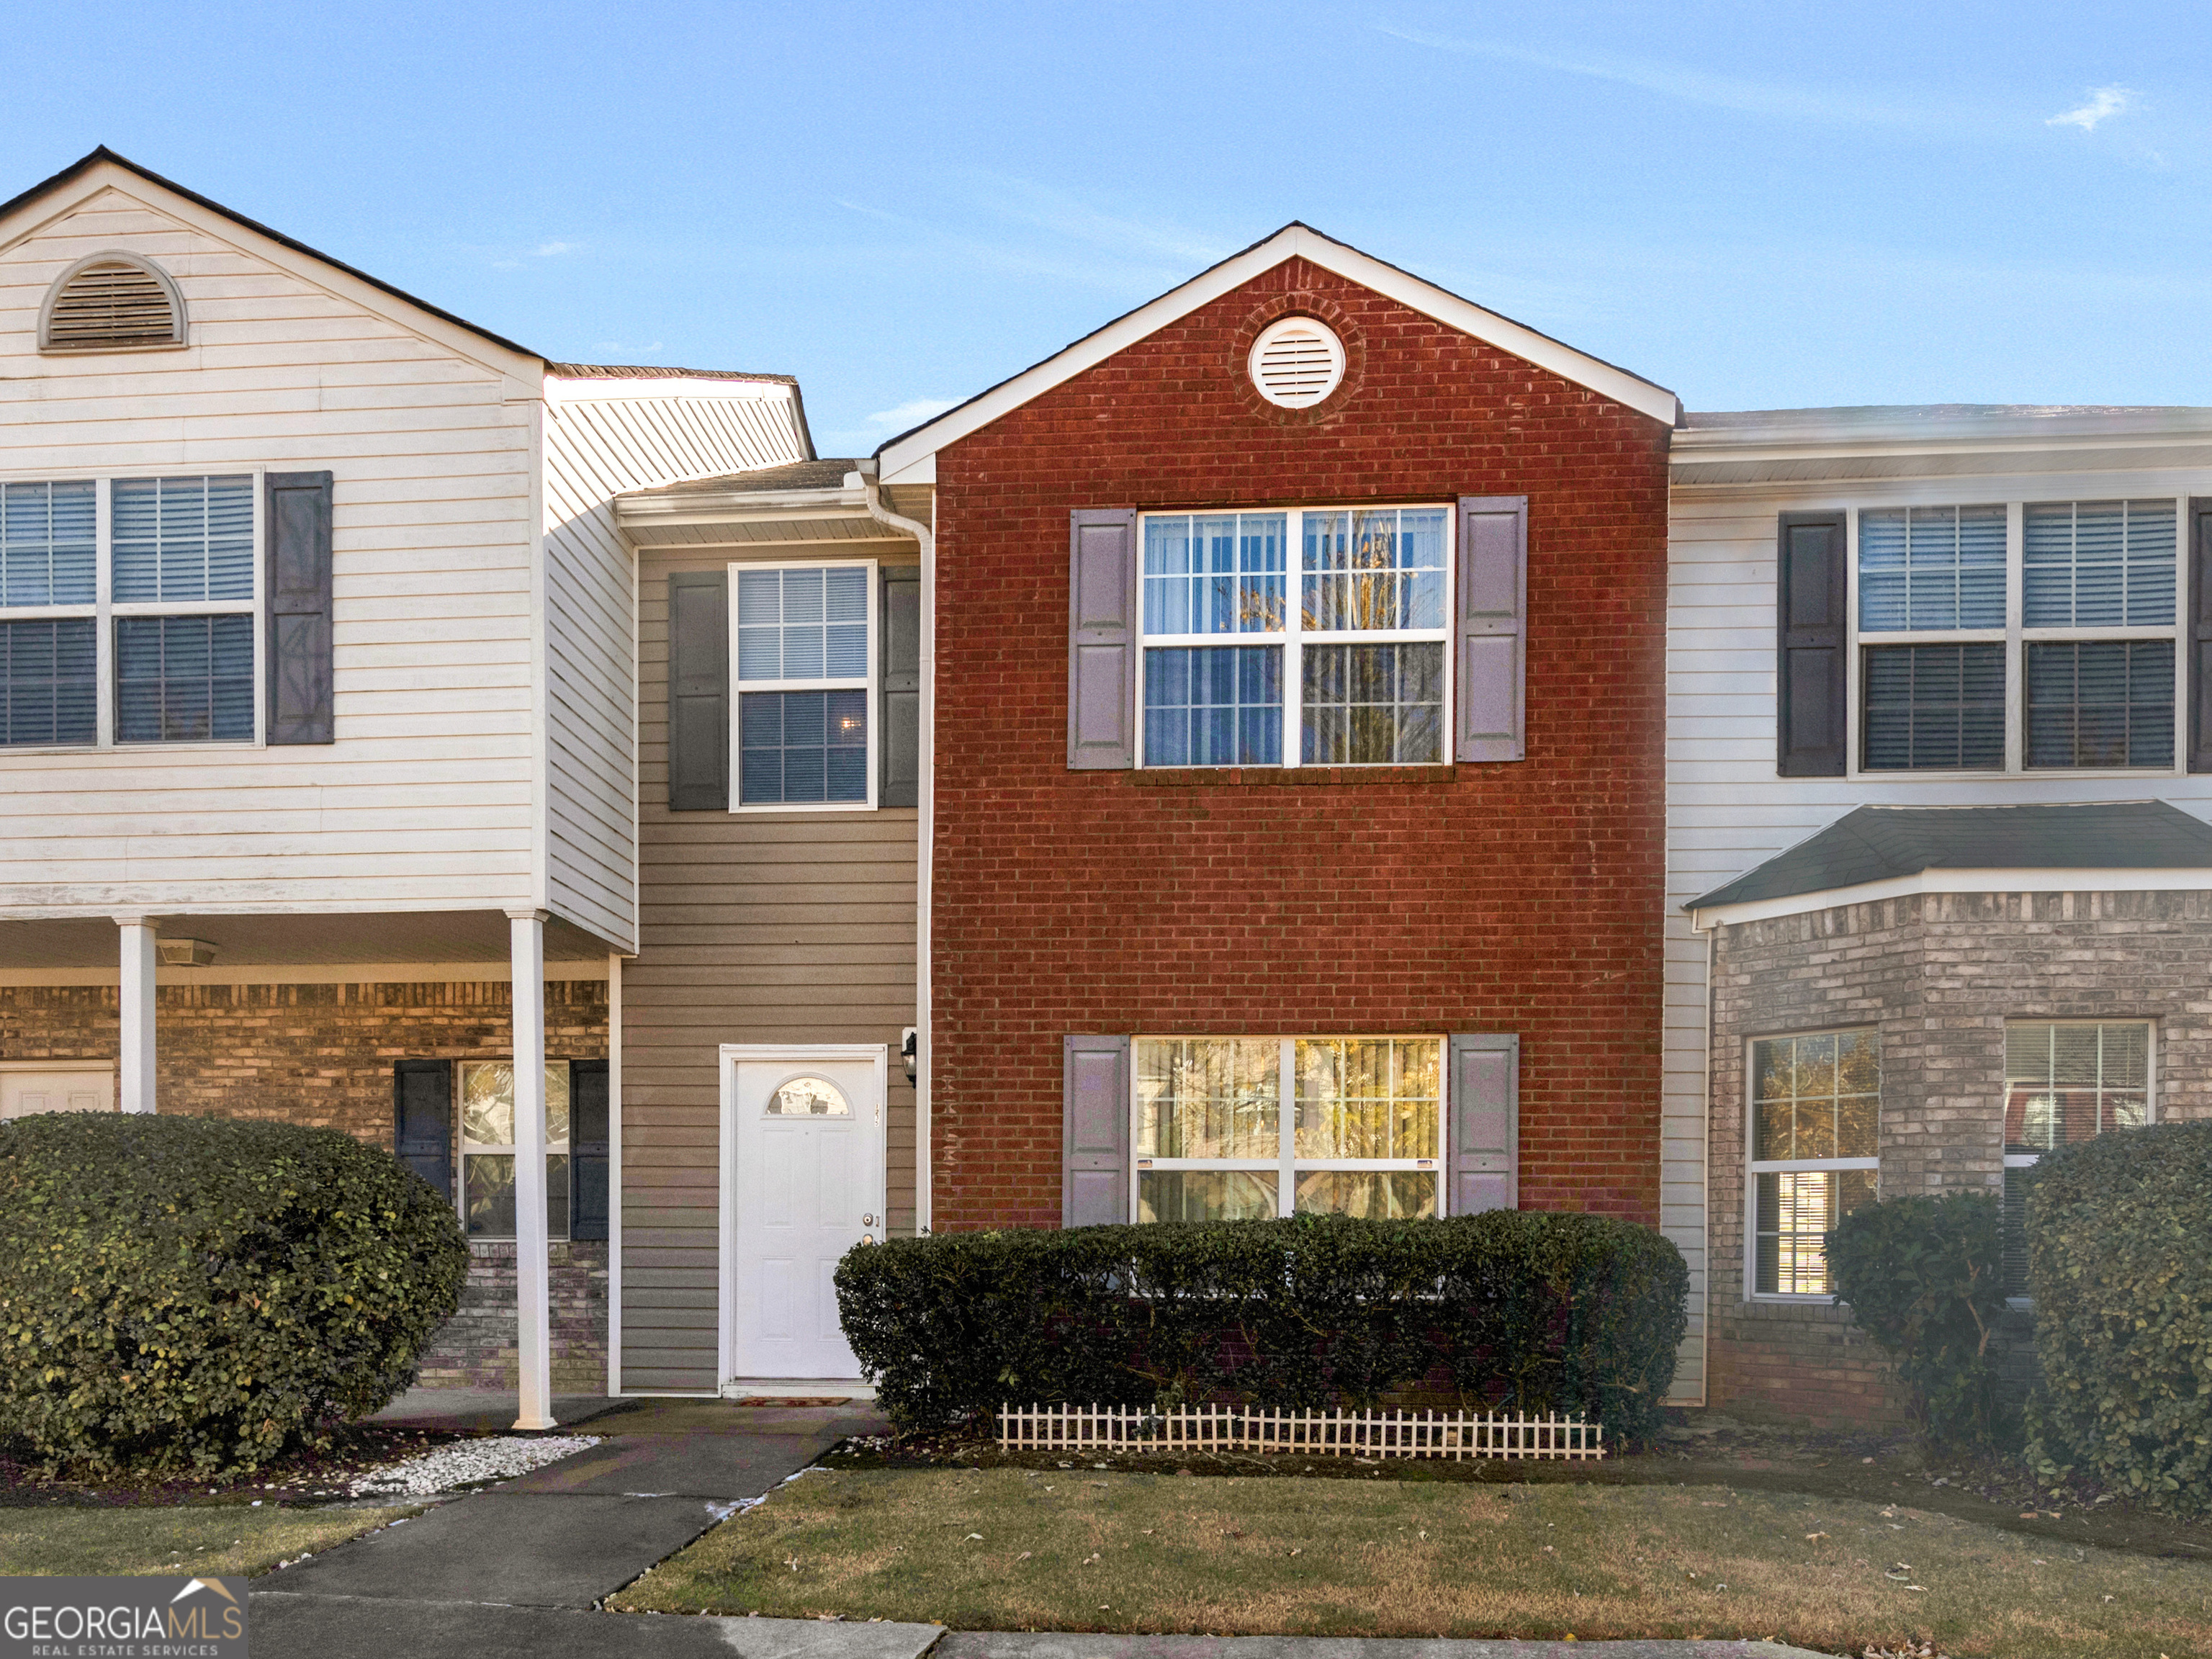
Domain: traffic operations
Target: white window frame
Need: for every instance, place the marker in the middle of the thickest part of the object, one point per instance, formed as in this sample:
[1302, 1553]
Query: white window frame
[1755, 1167]
[2015, 637]
[2029, 1160]
[1294, 636]
[1286, 1164]
[106, 610]
[868, 684]
[465, 1149]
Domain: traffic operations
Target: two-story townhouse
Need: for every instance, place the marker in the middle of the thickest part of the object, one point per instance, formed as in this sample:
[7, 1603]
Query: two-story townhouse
[318, 673]
[1939, 727]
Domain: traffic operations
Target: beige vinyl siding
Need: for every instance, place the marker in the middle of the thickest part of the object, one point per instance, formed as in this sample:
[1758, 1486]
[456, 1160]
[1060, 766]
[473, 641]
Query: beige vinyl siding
[783, 927]
[1728, 811]
[424, 801]
[597, 445]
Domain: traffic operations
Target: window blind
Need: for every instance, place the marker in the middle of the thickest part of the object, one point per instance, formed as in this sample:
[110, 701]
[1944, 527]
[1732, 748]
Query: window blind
[2098, 564]
[1932, 567]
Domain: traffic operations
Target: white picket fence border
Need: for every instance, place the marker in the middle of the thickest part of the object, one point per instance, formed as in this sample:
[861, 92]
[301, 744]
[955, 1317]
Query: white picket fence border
[1455, 1435]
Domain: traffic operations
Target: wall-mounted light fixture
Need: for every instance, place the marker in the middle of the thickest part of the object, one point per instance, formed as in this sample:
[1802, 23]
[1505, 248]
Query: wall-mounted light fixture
[910, 1051]
[186, 952]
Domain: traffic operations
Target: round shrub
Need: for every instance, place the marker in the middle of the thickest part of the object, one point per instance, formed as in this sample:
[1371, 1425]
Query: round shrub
[2119, 1259]
[205, 1293]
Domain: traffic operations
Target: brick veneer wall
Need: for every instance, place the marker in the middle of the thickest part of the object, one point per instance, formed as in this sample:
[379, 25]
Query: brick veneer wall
[1522, 897]
[1938, 975]
[322, 1055]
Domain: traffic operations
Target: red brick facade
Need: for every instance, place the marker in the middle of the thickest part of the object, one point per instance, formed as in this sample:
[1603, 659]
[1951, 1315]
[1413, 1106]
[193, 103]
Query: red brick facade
[1522, 897]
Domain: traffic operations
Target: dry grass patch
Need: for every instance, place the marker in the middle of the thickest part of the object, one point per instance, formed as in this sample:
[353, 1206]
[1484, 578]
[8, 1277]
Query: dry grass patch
[1081, 1550]
[212, 1541]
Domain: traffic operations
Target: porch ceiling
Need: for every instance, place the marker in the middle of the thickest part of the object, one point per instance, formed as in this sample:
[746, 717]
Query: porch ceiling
[249, 941]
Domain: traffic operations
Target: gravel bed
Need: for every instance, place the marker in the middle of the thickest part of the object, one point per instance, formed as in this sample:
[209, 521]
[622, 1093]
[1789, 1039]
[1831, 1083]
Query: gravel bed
[468, 1463]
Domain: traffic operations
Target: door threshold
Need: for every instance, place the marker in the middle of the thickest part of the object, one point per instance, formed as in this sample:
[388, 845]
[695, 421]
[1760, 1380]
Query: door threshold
[810, 1389]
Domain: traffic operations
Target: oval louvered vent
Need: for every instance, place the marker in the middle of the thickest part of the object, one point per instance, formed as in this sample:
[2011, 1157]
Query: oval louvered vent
[1296, 362]
[110, 303]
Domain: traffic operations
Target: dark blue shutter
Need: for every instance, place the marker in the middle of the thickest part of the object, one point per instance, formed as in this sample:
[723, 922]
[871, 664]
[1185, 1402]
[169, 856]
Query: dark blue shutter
[299, 580]
[422, 1120]
[589, 1145]
[2199, 646]
[699, 691]
[901, 738]
[1811, 740]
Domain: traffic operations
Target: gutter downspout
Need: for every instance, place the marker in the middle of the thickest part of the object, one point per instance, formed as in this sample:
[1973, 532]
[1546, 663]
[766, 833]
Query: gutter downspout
[925, 829]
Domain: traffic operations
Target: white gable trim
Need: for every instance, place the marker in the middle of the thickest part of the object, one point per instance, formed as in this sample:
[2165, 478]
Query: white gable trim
[1938, 880]
[900, 460]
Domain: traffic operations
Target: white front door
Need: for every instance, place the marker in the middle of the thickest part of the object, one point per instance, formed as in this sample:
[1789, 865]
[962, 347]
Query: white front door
[807, 1141]
[56, 1088]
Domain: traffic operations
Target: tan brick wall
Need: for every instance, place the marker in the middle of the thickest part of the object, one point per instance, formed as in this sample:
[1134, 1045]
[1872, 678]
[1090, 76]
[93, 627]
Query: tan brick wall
[1938, 975]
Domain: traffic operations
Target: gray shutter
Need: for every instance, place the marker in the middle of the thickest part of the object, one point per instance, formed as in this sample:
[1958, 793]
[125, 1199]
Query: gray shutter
[699, 691]
[2199, 666]
[1094, 1182]
[422, 1120]
[1485, 1092]
[1491, 629]
[1102, 639]
[297, 508]
[588, 1148]
[1811, 739]
[901, 783]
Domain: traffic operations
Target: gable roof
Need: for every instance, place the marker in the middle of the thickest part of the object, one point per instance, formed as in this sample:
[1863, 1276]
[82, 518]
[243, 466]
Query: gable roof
[1293, 241]
[1883, 843]
[78, 168]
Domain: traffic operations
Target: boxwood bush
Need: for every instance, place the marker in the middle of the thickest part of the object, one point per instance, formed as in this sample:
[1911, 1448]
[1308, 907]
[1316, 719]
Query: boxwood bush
[1924, 1278]
[2119, 1260]
[205, 1293]
[1535, 1311]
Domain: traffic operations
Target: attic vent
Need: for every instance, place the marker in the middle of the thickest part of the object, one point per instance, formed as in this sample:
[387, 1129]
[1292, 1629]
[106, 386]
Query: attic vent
[111, 303]
[1296, 362]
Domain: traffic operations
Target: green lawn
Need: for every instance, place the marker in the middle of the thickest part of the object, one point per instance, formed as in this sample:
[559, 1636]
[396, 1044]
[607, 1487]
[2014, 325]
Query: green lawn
[211, 1541]
[1081, 1550]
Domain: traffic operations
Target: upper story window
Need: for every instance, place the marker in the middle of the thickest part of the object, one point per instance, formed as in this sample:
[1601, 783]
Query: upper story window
[805, 677]
[2031, 637]
[1815, 1114]
[1337, 618]
[111, 303]
[127, 611]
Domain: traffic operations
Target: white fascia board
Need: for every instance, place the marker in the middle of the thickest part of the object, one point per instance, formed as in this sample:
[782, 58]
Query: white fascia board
[1957, 881]
[617, 389]
[711, 506]
[524, 374]
[1294, 242]
[1846, 435]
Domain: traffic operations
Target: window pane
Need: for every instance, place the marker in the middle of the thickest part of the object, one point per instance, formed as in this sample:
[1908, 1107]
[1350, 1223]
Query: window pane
[1932, 567]
[1818, 1096]
[2101, 702]
[556, 1195]
[1377, 1195]
[48, 541]
[809, 624]
[184, 679]
[2098, 564]
[1218, 573]
[1209, 1098]
[183, 538]
[49, 681]
[1374, 569]
[802, 746]
[2066, 1081]
[557, 1103]
[1205, 1194]
[1935, 706]
[1792, 1212]
[1368, 1098]
[1373, 705]
[487, 1102]
[487, 1195]
[1213, 705]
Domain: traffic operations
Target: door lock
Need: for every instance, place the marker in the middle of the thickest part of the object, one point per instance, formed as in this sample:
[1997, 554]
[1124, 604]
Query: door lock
[868, 1220]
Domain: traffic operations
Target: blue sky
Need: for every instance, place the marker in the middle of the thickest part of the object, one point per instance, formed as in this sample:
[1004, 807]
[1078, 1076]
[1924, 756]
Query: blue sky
[1758, 205]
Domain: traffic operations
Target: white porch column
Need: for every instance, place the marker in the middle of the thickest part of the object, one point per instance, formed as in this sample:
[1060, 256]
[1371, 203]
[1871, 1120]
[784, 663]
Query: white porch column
[134, 1064]
[532, 1292]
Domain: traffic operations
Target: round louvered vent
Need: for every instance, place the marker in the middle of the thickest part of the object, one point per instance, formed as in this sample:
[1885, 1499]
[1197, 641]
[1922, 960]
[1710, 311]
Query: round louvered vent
[110, 303]
[1296, 362]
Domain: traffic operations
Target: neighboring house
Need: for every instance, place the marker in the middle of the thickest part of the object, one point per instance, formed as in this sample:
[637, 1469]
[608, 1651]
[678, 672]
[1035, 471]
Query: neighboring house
[1939, 727]
[317, 713]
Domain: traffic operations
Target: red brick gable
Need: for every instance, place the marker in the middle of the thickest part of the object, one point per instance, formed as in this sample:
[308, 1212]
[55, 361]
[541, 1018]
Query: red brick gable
[1523, 897]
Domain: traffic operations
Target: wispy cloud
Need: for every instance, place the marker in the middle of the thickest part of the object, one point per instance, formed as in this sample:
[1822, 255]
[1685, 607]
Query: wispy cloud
[913, 412]
[2103, 103]
[553, 250]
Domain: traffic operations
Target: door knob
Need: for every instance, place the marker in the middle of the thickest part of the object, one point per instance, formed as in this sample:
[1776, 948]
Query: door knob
[868, 1220]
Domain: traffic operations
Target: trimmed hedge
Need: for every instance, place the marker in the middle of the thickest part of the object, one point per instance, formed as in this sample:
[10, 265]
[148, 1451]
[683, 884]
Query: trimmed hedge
[1536, 1311]
[2119, 1258]
[202, 1293]
[1924, 1278]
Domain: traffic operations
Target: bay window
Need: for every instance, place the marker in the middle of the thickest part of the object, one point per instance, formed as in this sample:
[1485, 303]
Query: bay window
[2066, 1081]
[1815, 1107]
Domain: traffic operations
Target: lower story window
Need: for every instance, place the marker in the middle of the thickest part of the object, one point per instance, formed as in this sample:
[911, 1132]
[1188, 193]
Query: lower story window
[1815, 1120]
[2065, 1081]
[1232, 1129]
[487, 1148]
